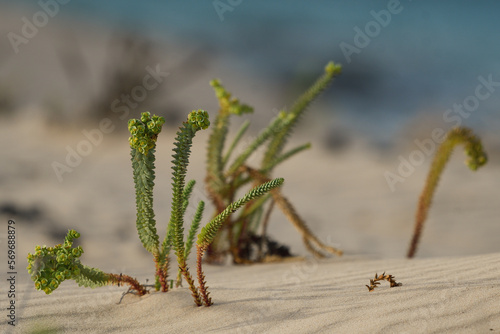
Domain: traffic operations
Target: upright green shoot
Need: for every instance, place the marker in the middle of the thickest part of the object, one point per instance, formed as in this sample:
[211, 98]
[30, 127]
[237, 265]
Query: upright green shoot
[476, 158]
[197, 120]
[144, 133]
[209, 232]
[277, 143]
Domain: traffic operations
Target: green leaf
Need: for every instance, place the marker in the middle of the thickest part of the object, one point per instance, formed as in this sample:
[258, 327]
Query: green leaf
[279, 139]
[236, 140]
[91, 277]
[284, 157]
[186, 194]
[215, 178]
[144, 175]
[208, 232]
[195, 225]
[274, 127]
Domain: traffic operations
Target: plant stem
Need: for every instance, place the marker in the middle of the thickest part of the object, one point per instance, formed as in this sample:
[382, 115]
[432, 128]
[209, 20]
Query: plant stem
[201, 276]
[190, 281]
[477, 158]
[265, 223]
[161, 274]
[134, 284]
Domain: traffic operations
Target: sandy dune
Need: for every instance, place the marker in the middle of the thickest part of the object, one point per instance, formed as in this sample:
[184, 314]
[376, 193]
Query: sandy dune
[453, 286]
[453, 295]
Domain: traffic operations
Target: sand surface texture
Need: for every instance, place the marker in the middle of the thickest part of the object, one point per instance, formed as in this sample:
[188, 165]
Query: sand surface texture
[454, 295]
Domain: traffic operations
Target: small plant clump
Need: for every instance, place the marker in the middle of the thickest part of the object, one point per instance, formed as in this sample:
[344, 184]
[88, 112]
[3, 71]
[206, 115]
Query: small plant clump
[376, 281]
[50, 266]
[227, 175]
[476, 158]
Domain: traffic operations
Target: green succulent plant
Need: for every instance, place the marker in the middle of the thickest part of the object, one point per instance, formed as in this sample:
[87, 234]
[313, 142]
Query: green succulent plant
[50, 266]
[226, 175]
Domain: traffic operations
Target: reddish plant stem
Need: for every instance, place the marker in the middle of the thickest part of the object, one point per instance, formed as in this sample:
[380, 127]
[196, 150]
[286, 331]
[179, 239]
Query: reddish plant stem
[477, 158]
[162, 275]
[201, 277]
[190, 281]
[214, 255]
[265, 222]
[134, 284]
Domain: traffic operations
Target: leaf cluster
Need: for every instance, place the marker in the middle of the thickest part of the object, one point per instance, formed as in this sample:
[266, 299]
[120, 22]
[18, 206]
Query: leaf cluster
[226, 174]
[50, 266]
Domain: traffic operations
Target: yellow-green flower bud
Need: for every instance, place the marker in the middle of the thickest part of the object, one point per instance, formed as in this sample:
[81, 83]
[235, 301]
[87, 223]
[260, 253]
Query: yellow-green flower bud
[145, 132]
[60, 276]
[62, 258]
[54, 283]
[333, 69]
[67, 274]
[220, 91]
[145, 117]
[198, 119]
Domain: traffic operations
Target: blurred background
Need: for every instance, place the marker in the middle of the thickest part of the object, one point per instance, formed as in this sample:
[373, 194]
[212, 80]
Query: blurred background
[65, 66]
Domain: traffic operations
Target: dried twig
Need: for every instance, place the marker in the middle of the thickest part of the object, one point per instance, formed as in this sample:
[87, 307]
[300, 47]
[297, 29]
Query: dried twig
[389, 278]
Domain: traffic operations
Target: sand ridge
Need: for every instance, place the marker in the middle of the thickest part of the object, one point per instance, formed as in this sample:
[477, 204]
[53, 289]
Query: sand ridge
[453, 294]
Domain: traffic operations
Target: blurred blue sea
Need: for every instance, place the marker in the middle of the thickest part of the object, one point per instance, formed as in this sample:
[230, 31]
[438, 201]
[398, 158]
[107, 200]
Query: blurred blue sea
[427, 57]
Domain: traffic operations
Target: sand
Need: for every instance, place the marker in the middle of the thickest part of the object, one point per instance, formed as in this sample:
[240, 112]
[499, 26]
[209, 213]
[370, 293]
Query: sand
[452, 295]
